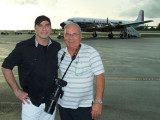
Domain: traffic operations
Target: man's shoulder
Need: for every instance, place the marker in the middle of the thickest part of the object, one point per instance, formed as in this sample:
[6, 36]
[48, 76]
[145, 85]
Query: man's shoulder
[55, 42]
[62, 50]
[27, 42]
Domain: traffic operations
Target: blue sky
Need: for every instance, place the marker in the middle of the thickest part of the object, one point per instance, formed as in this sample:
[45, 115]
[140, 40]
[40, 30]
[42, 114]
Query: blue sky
[20, 14]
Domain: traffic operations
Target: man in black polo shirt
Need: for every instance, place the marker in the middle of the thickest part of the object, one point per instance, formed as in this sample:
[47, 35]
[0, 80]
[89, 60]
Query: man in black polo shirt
[36, 59]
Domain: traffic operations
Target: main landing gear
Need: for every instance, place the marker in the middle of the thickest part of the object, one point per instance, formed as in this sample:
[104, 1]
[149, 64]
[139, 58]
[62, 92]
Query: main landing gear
[110, 35]
[94, 34]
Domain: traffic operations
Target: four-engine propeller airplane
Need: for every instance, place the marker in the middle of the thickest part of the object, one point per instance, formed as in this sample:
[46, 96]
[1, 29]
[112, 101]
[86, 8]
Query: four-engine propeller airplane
[127, 28]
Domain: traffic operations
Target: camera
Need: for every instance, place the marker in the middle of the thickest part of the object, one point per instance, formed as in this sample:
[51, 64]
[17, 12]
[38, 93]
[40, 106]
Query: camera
[52, 101]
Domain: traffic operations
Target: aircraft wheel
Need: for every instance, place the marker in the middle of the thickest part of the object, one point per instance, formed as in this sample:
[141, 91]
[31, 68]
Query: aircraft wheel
[94, 34]
[110, 36]
[59, 37]
[129, 36]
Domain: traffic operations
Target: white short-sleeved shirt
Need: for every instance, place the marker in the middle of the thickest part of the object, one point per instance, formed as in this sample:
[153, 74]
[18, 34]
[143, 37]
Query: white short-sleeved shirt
[79, 77]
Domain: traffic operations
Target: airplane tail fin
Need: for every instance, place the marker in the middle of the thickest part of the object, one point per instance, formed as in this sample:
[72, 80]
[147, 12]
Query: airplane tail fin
[140, 17]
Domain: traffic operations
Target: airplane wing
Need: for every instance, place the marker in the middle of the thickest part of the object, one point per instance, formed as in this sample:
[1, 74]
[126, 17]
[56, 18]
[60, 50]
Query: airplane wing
[135, 23]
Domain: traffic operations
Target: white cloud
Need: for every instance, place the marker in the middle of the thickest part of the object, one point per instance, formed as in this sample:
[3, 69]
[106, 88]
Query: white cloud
[20, 14]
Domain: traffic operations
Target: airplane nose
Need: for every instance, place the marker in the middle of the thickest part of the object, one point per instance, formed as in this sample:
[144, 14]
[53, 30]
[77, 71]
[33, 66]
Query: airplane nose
[62, 25]
[65, 23]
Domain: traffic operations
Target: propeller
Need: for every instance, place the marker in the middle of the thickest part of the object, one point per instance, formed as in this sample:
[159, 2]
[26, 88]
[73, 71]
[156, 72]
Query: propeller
[107, 21]
[94, 24]
[107, 24]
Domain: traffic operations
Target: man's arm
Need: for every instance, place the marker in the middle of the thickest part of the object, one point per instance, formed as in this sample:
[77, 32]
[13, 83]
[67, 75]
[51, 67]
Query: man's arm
[100, 85]
[20, 94]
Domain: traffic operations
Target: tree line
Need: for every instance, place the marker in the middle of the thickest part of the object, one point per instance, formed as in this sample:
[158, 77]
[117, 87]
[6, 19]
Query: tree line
[150, 28]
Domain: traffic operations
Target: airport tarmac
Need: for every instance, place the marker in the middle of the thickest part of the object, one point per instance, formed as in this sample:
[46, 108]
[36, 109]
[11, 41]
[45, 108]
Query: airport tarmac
[132, 71]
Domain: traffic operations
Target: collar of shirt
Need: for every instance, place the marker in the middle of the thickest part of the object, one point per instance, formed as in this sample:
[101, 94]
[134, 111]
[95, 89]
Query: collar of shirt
[66, 50]
[36, 43]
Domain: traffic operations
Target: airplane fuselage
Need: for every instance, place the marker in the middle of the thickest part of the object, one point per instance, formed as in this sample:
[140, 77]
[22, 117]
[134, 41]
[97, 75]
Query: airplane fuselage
[108, 25]
[91, 24]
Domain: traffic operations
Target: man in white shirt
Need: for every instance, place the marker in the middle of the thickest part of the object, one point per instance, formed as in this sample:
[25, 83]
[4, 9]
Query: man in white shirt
[77, 102]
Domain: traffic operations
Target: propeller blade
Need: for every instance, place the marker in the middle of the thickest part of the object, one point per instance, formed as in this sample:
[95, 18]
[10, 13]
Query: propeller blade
[107, 24]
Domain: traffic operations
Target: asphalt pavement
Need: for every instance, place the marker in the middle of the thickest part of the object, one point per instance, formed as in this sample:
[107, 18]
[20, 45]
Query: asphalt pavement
[132, 71]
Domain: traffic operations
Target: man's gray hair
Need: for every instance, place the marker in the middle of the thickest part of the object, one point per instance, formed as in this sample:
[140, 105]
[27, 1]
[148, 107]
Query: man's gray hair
[74, 25]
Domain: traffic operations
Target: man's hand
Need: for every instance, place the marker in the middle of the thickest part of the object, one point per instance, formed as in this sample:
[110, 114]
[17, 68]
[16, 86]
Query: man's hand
[97, 107]
[22, 96]
[96, 110]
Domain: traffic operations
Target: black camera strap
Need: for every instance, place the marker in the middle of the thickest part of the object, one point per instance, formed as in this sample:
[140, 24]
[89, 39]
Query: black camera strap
[73, 58]
[62, 58]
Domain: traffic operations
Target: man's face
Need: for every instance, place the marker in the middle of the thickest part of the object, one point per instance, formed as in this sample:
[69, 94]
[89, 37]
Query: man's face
[43, 30]
[72, 37]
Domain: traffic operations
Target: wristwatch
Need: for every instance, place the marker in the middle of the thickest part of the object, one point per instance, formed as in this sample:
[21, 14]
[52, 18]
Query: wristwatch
[98, 101]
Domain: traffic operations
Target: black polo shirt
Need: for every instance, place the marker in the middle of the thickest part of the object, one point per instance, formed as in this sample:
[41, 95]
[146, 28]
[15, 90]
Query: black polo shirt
[37, 69]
